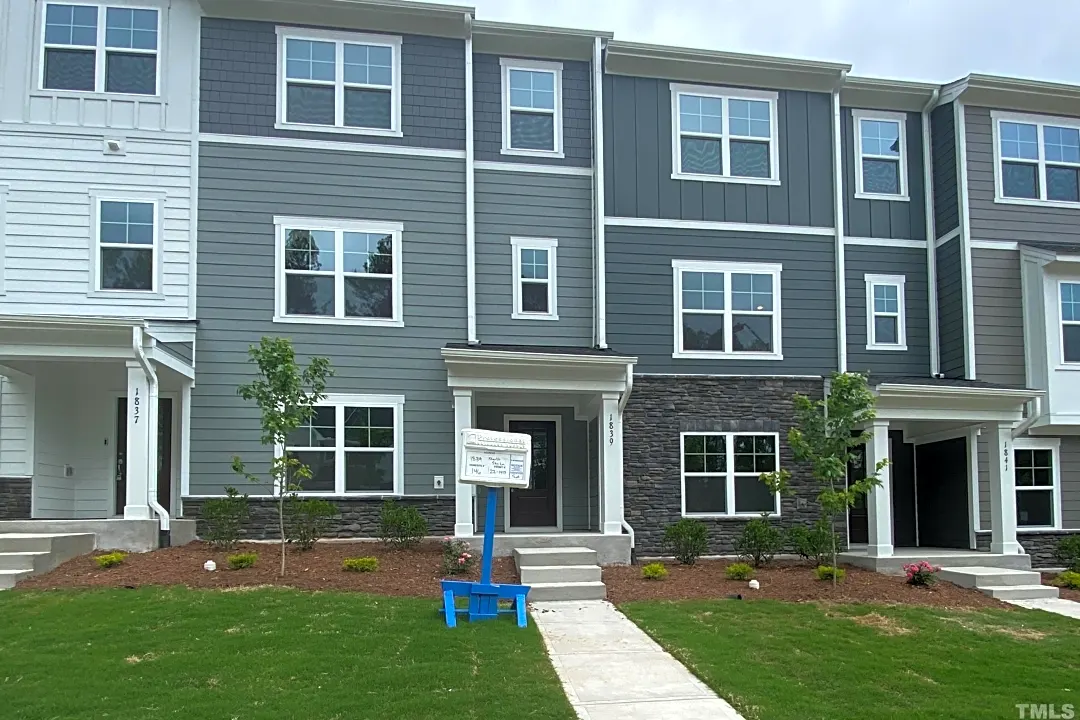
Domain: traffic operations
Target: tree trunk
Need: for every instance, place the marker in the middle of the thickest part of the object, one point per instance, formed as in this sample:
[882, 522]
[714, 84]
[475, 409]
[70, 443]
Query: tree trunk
[281, 529]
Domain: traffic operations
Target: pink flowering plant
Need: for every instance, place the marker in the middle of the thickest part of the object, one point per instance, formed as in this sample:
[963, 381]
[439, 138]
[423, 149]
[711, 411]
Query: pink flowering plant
[457, 557]
[921, 573]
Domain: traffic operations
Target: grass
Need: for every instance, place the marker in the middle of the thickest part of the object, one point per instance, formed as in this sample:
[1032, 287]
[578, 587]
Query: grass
[804, 661]
[267, 653]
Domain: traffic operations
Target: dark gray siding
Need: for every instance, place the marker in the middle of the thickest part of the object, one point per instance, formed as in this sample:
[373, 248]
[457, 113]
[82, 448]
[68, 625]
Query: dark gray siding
[640, 303]
[950, 309]
[184, 351]
[239, 87]
[885, 218]
[943, 146]
[577, 113]
[512, 204]
[637, 157]
[999, 316]
[594, 474]
[1070, 484]
[911, 263]
[243, 188]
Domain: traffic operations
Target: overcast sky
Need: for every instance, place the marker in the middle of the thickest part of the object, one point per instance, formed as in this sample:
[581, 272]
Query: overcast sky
[938, 40]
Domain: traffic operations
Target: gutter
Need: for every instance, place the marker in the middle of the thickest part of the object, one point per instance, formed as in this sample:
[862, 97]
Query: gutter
[838, 220]
[1034, 413]
[598, 194]
[470, 188]
[152, 436]
[931, 234]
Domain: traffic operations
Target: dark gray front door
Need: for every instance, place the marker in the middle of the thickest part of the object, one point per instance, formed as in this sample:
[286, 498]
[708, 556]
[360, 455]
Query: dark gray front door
[537, 506]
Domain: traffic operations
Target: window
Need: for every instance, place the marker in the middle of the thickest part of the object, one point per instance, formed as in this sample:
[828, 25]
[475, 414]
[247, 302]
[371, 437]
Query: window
[727, 309]
[338, 271]
[1070, 322]
[1037, 483]
[339, 82]
[352, 445]
[100, 49]
[532, 107]
[127, 240]
[721, 473]
[1038, 158]
[885, 314]
[881, 163]
[534, 279]
[724, 135]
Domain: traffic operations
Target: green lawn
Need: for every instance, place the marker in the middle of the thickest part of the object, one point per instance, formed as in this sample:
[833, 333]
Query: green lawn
[788, 661]
[268, 653]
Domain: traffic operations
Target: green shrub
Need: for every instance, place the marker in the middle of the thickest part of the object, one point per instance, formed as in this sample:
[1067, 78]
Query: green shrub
[223, 517]
[654, 571]
[401, 526]
[814, 543]
[109, 559]
[687, 539]
[1068, 552]
[239, 561]
[457, 558]
[739, 571]
[306, 520]
[1068, 579]
[826, 572]
[360, 564]
[759, 542]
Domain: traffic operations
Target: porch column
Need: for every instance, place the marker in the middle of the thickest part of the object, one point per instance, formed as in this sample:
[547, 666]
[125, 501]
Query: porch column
[611, 464]
[137, 454]
[879, 501]
[463, 493]
[1002, 490]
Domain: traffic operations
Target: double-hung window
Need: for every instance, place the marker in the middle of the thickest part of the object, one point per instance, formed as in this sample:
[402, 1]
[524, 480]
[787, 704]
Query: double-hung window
[534, 278]
[93, 48]
[1038, 158]
[339, 82]
[127, 234]
[724, 134]
[721, 473]
[532, 107]
[727, 309]
[881, 164]
[350, 445]
[338, 271]
[1037, 483]
[1070, 321]
[886, 317]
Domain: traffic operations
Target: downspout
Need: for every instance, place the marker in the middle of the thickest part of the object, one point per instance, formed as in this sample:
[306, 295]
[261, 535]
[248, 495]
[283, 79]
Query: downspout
[931, 233]
[598, 193]
[1034, 413]
[152, 436]
[838, 220]
[470, 189]
[622, 406]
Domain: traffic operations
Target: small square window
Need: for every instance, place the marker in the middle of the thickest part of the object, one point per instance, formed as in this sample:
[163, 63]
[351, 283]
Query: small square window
[532, 107]
[534, 278]
[881, 162]
[1070, 321]
[127, 240]
[886, 316]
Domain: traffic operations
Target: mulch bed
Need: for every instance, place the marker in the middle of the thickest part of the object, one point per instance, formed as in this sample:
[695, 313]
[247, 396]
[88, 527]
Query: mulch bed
[1064, 593]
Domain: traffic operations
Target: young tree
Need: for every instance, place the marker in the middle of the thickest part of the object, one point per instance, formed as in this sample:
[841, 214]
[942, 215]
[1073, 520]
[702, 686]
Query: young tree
[286, 396]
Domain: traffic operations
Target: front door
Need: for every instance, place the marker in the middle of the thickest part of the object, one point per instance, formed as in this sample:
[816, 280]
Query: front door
[165, 459]
[537, 506]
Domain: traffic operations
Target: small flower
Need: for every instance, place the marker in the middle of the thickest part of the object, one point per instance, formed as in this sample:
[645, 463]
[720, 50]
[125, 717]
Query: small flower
[461, 561]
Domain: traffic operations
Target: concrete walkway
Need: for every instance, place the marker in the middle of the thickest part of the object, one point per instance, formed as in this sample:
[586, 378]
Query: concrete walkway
[611, 670]
[1059, 606]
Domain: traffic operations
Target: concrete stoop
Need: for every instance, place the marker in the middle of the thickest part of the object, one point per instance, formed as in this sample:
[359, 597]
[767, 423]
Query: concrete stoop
[25, 554]
[1000, 583]
[560, 573]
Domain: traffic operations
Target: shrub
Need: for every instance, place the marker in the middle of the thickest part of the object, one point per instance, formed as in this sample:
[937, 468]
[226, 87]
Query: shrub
[239, 561]
[654, 571]
[921, 573]
[108, 560]
[1068, 579]
[401, 525]
[814, 543]
[306, 520]
[1068, 552]
[739, 571]
[759, 542]
[456, 557]
[827, 572]
[360, 564]
[688, 540]
[223, 517]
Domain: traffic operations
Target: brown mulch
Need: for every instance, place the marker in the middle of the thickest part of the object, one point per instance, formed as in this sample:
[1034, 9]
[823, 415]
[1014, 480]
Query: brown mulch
[790, 582]
[413, 572]
[1065, 593]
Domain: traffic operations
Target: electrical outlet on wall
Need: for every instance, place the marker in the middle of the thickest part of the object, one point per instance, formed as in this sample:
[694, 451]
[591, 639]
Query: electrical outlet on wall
[440, 482]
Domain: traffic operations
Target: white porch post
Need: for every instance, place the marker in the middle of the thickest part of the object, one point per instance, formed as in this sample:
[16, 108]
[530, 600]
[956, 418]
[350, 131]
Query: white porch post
[879, 501]
[611, 464]
[1002, 490]
[463, 494]
[137, 454]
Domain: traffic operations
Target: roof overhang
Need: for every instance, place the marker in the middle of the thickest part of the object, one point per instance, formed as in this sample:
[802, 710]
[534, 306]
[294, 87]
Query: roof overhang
[938, 403]
[883, 94]
[535, 41]
[1064, 258]
[1006, 93]
[401, 16]
[480, 369]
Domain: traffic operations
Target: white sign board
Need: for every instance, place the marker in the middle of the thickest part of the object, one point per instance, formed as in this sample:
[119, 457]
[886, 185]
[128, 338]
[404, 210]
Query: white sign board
[496, 459]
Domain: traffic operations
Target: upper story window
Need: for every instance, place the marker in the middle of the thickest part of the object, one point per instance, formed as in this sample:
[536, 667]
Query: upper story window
[534, 279]
[724, 135]
[881, 164]
[339, 82]
[727, 310]
[94, 48]
[1038, 158]
[886, 317]
[1070, 322]
[721, 473]
[532, 107]
[127, 243]
[1038, 483]
[338, 271]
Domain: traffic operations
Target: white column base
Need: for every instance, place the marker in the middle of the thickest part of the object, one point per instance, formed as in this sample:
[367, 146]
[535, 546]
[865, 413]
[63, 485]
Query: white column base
[1006, 548]
[613, 528]
[137, 512]
[879, 551]
[464, 530]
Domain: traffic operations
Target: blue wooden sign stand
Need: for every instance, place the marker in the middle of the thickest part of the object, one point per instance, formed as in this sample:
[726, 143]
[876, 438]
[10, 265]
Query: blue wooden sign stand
[484, 596]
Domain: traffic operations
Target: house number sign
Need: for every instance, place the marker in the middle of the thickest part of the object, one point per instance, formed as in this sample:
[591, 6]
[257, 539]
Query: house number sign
[611, 430]
[136, 407]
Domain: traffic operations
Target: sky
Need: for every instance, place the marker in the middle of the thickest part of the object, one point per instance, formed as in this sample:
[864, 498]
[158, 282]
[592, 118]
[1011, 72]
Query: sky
[935, 40]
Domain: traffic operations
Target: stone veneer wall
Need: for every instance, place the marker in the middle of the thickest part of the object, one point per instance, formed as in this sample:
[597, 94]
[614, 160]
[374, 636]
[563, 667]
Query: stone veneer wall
[1042, 547]
[661, 407]
[15, 498]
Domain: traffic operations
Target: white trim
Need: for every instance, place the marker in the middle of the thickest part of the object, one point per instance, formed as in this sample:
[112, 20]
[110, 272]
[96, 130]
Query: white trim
[885, 242]
[3, 234]
[166, 359]
[185, 439]
[1040, 122]
[598, 192]
[557, 419]
[334, 145]
[881, 116]
[550, 246]
[951, 235]
[154, 198]
[495, 165]
[721, 226]
[510, 356]
[555, 68]
[965, 241]
[1052, 444]
[974, 511]
[840, 249]
[729, 473]
[898, 282]
[338, 227]
[470, 191]
[1062, 322]
[995, 245]
[931, 232]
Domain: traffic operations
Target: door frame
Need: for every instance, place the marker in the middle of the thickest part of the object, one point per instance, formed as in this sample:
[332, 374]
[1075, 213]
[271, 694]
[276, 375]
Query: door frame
[557, 419]
[174, 475]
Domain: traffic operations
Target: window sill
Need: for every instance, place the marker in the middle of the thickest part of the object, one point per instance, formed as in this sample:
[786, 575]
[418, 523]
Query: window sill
[892, 348]
[1068, 367]
[881, 196]
[729, 516]
[1048, 528]
[534, 316]
[725, 179]
[701, 355]
[303, 127]
[533, 153]
[127, 294]
[301, 320]
[93, 95]
[1002, 200]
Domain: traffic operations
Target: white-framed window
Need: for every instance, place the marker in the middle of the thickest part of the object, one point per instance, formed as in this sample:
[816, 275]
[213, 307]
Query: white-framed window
[353, 446]
[1069, 294]
[338, 271]
[1037, 159]
[127, 241]
[721, 473]
[535, 291]
[727, 310]
[100, 48]
[1038, 483]
[724, 134]
[532, 115]
[881, 155]
[339, 82]
[886, 315]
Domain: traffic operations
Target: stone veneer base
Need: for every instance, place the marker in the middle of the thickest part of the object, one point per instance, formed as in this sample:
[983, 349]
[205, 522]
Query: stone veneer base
[15, 498]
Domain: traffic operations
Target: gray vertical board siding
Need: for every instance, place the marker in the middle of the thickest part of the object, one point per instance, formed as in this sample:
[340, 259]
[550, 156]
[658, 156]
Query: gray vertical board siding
[243, 188]
[897, 219]
[638, 162]
[950, 308]
[1003, 221]
[575, 468]
[513, 204]
[640, 298]
[943, 154]
[238, 87]
[576, 109]
[911, 263]
[999, 316]
[1069, 472]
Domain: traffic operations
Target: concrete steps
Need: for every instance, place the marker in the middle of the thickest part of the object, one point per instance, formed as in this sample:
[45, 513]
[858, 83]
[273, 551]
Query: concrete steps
[1000, 583]
[25, 554]
[560, 573]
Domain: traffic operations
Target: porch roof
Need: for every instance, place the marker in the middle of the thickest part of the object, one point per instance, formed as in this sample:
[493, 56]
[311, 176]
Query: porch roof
[537, 368]
[950, 399]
